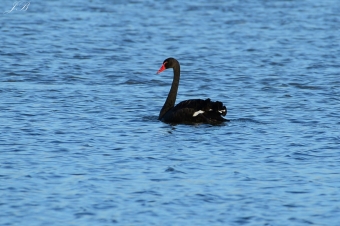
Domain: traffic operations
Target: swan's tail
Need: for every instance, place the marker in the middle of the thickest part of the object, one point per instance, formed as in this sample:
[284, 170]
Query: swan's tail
[213, 111]
[217, 107]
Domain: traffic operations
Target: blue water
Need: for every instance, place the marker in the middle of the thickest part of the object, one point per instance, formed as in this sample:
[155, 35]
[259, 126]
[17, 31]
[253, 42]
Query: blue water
[80, 143]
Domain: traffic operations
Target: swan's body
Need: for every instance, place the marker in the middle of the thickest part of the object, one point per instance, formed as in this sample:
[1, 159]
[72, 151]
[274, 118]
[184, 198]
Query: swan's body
[188, 111]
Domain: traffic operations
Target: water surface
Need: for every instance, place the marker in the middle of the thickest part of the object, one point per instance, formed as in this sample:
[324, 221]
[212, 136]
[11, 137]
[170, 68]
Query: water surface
[80, 142]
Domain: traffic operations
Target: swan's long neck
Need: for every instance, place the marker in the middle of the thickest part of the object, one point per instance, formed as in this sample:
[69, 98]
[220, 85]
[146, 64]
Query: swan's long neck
[171, 99]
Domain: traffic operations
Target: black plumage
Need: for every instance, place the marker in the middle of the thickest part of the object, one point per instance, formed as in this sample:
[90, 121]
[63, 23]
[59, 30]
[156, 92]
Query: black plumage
[188, 111]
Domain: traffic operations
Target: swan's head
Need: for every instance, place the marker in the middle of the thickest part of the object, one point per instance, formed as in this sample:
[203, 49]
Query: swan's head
[168, 63]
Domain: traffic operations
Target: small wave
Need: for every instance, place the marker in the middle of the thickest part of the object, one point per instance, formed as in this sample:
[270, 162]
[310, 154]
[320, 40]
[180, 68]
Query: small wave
[173, 170]
[248, 120]
[150, 118]
[302, 86]
[132, 82]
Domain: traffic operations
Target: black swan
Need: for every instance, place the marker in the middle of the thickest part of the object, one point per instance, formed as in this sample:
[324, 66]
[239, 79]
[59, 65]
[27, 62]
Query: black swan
[188, 111]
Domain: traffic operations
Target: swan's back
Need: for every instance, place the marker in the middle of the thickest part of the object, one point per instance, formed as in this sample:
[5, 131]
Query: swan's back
[196, 111]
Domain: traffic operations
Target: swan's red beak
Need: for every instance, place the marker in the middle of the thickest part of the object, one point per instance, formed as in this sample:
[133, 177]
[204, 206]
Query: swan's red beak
[161, 69]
